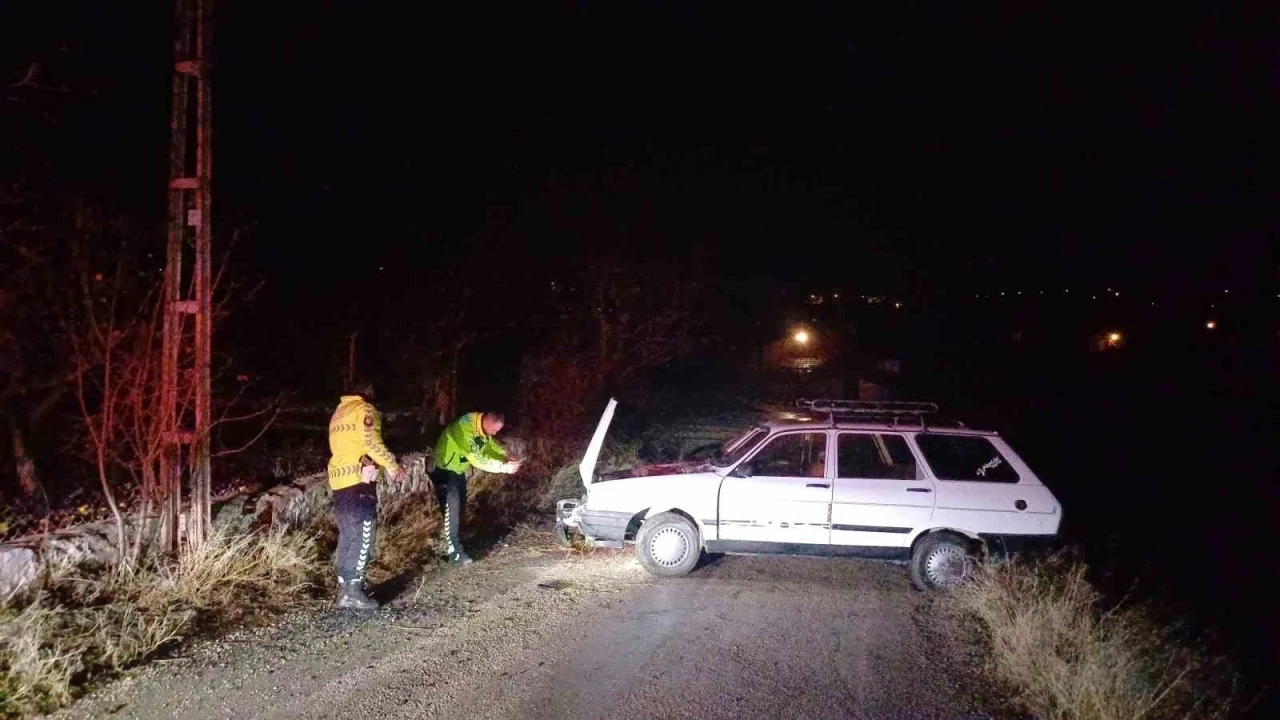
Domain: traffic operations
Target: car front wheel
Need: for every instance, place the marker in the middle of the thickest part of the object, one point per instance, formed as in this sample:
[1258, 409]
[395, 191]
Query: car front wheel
[668, 545]
[941, 561]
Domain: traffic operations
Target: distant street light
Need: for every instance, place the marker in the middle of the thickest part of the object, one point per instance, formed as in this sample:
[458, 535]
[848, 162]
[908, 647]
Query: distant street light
[1210, 325]
[801, 337]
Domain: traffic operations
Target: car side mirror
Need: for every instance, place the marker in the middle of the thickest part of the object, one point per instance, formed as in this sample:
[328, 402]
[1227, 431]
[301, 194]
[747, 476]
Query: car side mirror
[742, 471]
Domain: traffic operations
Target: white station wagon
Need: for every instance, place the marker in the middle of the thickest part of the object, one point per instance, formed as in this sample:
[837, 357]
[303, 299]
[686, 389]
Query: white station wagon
[854, 478]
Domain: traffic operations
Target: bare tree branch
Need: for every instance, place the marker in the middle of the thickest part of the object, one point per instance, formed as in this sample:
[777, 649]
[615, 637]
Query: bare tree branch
[262, 431]
[28, 79]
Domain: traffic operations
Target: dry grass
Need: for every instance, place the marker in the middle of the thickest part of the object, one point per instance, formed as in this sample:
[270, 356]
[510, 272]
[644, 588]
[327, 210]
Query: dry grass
[408, 536]
[1064, 656]
[75, 627]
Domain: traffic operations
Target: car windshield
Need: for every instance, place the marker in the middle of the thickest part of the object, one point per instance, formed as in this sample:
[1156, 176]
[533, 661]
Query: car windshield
[734, 449]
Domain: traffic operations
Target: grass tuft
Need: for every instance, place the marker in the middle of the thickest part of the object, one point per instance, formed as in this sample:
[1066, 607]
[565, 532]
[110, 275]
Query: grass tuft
[1064, 655]
[77, 626]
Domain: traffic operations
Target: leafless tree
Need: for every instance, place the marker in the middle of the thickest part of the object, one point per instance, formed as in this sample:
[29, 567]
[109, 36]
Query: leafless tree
[100, 332]
[626, 319]
[113, 333]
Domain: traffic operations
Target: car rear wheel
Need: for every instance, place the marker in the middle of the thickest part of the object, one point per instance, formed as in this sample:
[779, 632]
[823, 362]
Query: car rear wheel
[941, 561]
[668, 545]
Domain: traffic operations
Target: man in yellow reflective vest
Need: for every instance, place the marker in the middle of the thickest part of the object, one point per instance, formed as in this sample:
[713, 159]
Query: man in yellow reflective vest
[465, 443]
[359, 460]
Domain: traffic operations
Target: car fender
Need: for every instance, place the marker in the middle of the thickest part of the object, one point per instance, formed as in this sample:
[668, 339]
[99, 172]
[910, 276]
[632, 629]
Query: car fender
[913, 539]
[659, 509]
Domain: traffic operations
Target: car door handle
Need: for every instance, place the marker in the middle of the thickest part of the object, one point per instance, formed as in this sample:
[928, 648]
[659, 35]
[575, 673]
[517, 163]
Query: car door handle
[919, 490]
[818, 485]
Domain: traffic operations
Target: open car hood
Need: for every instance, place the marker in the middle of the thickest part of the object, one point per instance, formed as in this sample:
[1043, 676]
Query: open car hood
[587, 467]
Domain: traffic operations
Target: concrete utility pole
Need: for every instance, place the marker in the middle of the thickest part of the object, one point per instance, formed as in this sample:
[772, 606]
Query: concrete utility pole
[190, 223]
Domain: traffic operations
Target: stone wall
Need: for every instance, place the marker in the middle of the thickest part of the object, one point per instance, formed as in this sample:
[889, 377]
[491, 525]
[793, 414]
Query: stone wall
[291, 504]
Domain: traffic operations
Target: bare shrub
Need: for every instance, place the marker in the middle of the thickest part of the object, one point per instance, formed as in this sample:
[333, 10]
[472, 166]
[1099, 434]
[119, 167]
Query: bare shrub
[566, 482]
[1065, 656]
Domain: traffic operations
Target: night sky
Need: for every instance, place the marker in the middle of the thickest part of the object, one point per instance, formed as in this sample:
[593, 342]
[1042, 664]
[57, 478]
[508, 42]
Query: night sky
[912, 150]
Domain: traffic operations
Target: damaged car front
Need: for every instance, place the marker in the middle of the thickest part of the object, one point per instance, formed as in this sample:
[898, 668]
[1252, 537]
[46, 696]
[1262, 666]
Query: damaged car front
[616, 503]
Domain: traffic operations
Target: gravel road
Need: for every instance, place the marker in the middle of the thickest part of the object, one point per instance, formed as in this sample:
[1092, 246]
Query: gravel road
[535, 632]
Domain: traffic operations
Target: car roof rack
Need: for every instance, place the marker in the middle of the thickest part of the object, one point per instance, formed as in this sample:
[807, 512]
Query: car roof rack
[890, 412]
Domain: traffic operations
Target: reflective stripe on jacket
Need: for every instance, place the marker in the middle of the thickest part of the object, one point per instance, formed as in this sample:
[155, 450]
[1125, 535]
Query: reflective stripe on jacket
[355, 431]
[463, 444]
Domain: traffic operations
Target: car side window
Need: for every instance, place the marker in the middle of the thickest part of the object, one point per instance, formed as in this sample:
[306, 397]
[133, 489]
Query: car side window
[965, 457]
[872, 455]
[792, 455]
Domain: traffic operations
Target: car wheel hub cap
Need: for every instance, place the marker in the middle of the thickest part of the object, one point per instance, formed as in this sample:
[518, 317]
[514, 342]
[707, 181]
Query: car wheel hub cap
[946, 566]
[668, 547]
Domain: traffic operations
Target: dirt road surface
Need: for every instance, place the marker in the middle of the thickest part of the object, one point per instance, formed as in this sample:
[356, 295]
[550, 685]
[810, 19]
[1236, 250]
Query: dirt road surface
[536, 632]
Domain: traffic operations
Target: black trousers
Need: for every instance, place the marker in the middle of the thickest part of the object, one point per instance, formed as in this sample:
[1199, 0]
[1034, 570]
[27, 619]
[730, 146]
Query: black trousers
[451, 493]
[355, 509]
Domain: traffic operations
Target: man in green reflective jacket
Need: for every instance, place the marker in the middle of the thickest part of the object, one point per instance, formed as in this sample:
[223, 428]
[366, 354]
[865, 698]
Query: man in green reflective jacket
[466, 443]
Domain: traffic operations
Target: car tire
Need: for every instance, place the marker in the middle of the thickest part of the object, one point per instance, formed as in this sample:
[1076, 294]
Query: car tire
[941, 561]
[668, 545]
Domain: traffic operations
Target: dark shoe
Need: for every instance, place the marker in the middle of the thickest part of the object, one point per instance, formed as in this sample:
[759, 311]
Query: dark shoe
[351, 597]
[460, 557]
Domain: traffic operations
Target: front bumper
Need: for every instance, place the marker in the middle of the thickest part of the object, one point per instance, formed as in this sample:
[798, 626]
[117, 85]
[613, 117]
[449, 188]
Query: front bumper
[604, 525]
[566, 512]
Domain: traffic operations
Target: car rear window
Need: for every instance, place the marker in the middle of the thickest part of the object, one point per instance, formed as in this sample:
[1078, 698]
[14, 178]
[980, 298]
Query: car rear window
[868, 455]
[966, 458]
